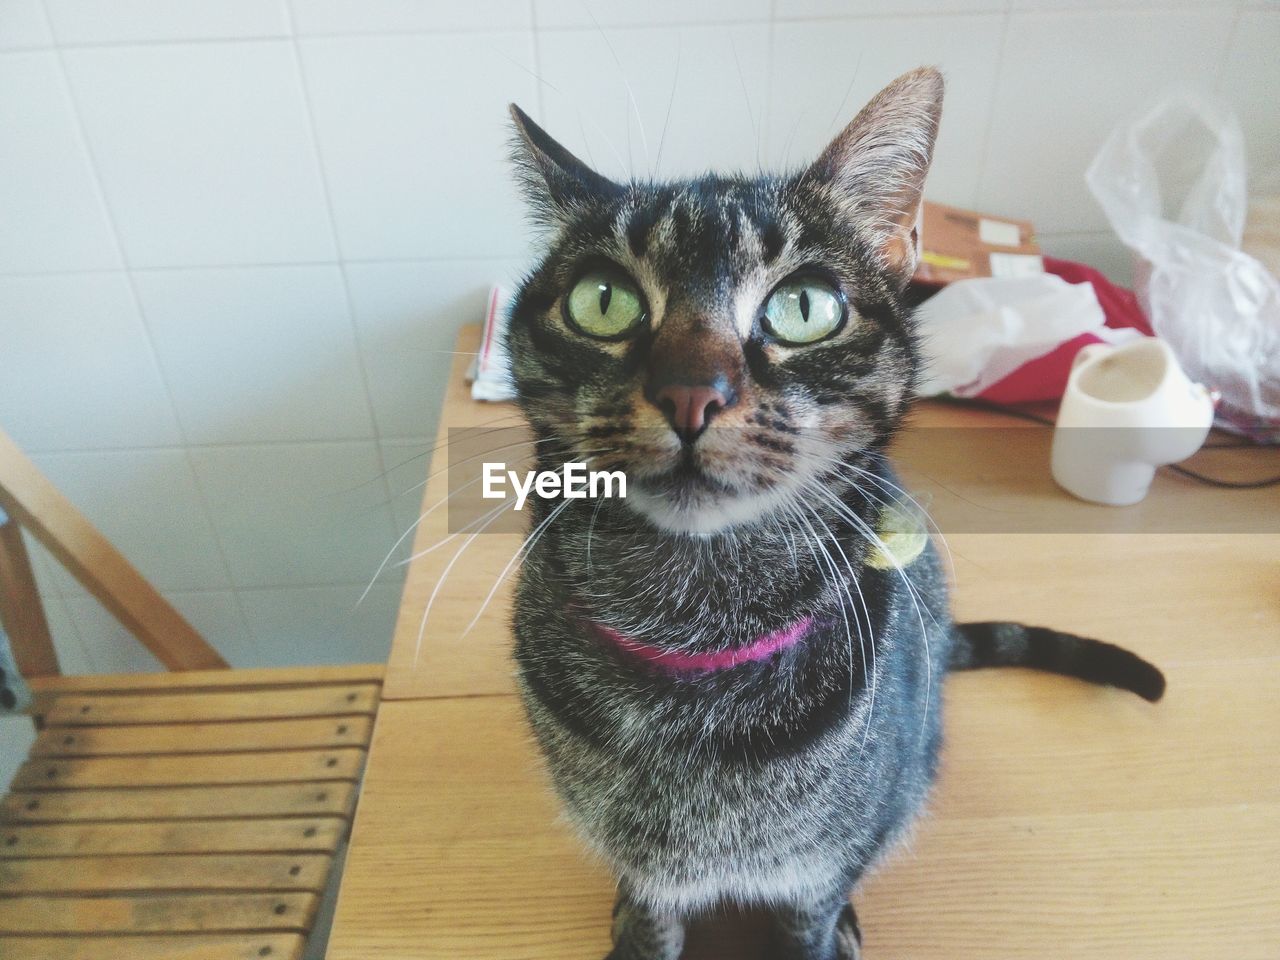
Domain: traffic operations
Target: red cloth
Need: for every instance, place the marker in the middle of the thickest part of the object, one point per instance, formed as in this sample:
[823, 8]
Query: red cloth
[1045, 377]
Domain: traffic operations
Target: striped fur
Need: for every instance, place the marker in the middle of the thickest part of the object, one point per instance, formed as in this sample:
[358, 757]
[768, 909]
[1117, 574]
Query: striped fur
[777, 783]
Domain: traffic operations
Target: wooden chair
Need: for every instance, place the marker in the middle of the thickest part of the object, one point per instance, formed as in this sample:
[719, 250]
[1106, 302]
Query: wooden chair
[191, 815]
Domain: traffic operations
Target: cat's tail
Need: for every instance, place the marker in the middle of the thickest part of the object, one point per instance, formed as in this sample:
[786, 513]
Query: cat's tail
[997, 644]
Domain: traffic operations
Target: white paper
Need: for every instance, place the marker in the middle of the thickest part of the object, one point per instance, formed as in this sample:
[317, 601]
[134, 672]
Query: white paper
[999, 233]
[1016, 264]
[977, 332]
[492, 367]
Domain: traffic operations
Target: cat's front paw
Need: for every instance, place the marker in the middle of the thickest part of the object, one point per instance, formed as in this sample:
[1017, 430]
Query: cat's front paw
[848, 935]
[631, 950]
[641, 934]
[809, 935]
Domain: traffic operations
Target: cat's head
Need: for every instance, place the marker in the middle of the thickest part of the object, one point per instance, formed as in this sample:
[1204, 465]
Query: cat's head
[726, 340]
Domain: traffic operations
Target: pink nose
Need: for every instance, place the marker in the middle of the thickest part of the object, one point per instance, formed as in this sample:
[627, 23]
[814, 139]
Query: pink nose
[689, 409]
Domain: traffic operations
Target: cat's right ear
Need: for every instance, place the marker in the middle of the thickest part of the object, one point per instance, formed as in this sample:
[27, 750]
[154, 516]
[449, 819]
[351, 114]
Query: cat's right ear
[876, 166]
[554, 181]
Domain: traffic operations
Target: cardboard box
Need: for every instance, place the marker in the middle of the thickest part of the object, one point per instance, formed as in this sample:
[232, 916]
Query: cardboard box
[958, 244]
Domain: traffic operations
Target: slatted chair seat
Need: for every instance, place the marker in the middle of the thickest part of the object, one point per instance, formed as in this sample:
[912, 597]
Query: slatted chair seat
[191, 815]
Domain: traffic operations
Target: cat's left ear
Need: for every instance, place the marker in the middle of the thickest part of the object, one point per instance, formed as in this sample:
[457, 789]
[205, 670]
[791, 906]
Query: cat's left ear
[877, 164]
[554, 181]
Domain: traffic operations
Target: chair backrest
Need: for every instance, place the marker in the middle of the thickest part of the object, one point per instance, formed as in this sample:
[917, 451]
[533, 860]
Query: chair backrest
[28, 500]
[15, 695]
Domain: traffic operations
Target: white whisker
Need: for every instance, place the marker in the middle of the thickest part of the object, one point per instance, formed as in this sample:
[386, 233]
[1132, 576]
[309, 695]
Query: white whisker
[644, 140]
[675, 82]
[868, 663]
[522, 550]
[444, 575]
[412, 527]
[457, 533]
[483, 453]
[528, 545]
[873, 537]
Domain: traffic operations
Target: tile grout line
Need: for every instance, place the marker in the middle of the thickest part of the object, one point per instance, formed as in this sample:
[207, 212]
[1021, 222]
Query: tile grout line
[361, 358]
[941, 13]
[984, 155]
[104, 206]
[54, 581]
[38, 563]
[267, 265]
[221, 445]
[938, 13]
[355, 585]
[130, 280]
[85, 649]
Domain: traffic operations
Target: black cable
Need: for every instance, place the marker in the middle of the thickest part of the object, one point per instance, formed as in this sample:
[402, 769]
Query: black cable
[980, 404]
[1235, 445]
[1224, 484]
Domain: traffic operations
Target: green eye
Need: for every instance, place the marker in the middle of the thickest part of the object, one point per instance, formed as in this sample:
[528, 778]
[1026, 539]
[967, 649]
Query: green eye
[804, 310]
[605, 303]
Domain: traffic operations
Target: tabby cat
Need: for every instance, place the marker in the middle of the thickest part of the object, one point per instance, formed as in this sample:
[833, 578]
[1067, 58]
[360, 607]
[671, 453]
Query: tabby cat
[734, 672]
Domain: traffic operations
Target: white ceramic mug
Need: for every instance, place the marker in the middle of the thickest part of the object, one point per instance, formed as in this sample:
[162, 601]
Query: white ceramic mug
[1126, 411]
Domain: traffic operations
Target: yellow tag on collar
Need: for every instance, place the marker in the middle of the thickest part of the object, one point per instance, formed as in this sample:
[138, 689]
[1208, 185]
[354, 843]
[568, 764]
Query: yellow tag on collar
[903, 536]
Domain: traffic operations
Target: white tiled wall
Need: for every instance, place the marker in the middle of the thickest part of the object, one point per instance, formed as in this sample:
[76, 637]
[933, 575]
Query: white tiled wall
[236, 238]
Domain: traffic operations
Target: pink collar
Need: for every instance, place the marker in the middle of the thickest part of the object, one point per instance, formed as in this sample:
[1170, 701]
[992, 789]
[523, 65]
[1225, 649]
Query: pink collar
[678, 661]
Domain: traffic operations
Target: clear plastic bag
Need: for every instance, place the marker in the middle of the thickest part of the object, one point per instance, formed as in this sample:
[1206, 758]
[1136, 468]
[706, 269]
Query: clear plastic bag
[1172, 183]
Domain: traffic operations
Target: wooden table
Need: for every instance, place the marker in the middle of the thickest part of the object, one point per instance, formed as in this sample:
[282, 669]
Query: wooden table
[1070, 821]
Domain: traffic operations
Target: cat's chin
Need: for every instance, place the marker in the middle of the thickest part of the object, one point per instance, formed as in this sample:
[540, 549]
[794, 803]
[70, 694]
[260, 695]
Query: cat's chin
[701, 513]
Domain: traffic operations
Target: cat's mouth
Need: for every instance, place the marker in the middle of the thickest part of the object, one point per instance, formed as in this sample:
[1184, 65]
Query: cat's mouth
[736, 473]
[687, 480]
[689, 497]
